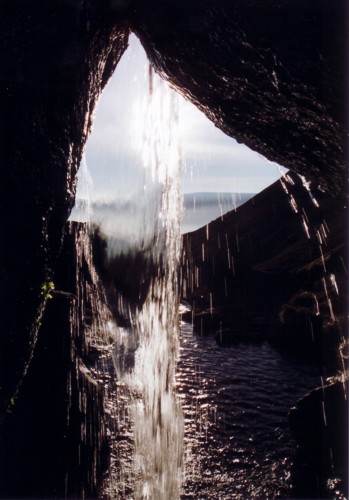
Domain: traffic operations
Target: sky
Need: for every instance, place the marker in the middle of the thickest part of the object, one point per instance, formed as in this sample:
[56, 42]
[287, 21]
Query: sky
[211, 161]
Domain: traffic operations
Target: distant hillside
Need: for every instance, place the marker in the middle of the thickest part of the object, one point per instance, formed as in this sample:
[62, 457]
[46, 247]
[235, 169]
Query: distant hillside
[128, 220]
[202, 208]
[275, 261]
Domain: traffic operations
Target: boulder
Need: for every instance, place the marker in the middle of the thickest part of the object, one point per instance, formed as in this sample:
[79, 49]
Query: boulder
[319, 423]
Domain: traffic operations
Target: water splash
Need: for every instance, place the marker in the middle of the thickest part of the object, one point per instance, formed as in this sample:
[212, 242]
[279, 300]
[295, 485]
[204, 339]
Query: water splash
[158, 418]
[148, 382]
[144, 417]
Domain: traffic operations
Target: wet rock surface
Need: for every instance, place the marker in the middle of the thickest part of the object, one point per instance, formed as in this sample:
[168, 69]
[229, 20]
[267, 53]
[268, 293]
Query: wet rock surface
[261, 271]
[53, 441]
[55, 60]
[240, 62]
[275, 269]
[319, 422]
[270, 74]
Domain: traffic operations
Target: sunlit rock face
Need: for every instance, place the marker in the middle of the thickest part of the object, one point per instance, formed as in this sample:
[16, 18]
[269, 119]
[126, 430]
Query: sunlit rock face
[55, 60]
[268, 73]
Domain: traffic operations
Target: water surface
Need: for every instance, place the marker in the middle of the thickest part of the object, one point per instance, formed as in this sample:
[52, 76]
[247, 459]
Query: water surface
[235, 402]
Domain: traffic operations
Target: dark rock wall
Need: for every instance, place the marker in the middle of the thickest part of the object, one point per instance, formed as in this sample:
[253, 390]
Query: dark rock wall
[53, 442]
[55, 59]
[269, 272]
[319, 422]
[275, 268]
[271, 74]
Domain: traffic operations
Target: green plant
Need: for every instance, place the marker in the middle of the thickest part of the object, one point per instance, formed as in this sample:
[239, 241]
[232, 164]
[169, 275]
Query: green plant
[47, 288]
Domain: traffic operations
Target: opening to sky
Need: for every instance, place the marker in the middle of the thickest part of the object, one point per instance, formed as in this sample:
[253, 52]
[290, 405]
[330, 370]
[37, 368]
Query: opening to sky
[212, 162]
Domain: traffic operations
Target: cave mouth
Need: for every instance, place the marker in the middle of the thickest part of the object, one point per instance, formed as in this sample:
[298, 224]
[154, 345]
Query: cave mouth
[217, 173]
[128, 211]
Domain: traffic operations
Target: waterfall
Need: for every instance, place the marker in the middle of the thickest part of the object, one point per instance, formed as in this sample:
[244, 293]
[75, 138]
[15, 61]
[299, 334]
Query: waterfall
[136, 363]
[158, 425]
[145, 418]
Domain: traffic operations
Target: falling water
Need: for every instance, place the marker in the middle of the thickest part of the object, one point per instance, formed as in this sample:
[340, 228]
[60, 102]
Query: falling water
[158, 420]
[149, 418]
[215, 461]
[317, 234]
[135, 366]
[82, 210]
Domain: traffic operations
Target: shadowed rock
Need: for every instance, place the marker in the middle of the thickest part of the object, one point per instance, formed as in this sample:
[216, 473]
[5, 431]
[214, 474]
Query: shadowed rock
[55, 61]
[319, 422]
[276, 269]
[273, 75]
[53, 441]
[260, 271]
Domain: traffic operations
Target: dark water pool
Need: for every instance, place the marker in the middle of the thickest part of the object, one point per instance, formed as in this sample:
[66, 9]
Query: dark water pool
[235, 402]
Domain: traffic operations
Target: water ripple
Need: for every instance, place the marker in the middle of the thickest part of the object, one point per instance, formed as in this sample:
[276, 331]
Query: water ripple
[235, 402]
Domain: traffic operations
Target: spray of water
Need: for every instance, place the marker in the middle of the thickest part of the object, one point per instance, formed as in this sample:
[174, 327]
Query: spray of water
[158, 420]
[156, 415]
[143, 413]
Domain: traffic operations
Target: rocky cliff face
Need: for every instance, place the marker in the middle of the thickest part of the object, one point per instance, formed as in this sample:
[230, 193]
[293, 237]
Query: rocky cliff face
[55, 431]
[277, 263]
[55, 61]
[275, 270]
[55, 58]
[270, 74]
